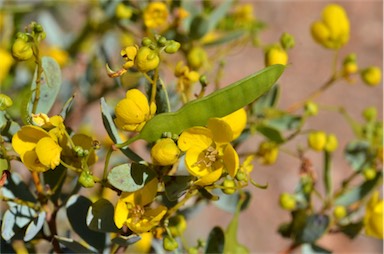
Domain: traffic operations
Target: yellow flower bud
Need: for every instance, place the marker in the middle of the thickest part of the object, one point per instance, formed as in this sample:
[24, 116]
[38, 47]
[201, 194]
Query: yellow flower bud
[331, 143]
[332, 31]
[311, 108]
[147, 59]
[317, 140]
[371, 76]
[165, 152]
[276, 55]
[229, 186]
[21, 50]
[5, 63]
[155, 15]
[86, 179]
[373, 218]
[170, 243]
[369, 173]
[129, 54]
[177, 225]
[287, 201]
[268, 152]
[197, 57]
[123, 11]
[339, 212]
[5, 101]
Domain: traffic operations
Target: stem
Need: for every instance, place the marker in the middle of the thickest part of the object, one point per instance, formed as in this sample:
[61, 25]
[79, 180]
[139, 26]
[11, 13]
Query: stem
[174, 209]
[36, 53]
[154, 87]
[128, 142]
[37, 182]
[327, 177]
[53, 229]
[106, 164]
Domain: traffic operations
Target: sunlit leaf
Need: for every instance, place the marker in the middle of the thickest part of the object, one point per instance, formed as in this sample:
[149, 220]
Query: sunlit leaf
[35, 226]
[16, 188]
[229, 203]
[126, 240]
[14, 221]
[314, 249]
[130, 177]
[271, 133]
[73, 245]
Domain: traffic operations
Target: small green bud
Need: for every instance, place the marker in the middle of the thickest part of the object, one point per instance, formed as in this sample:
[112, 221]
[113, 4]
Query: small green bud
[172, 47]
[311, 108]
[22, 36]
[287, 41]
[37, 28]
[369, 173]
[241, 176]
[287, 201]
[169, 243]
[229, 186]
[177, 225]
[5, 101]
[203, 80]
[86, 179]
[146, 42]
[193, 250]
[162, 41]
[370, 114]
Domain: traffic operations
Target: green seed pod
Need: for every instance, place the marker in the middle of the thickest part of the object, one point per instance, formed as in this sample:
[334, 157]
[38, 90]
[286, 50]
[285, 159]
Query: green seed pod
[172, 47]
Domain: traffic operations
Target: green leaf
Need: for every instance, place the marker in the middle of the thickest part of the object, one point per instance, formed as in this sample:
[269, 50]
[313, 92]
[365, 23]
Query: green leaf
[162, 100]
[284, 122]
[49, 85]
[357, 154]
[213, 105]
[16, 188]
[359, 192]
[314, 249]
[270, 133]
[199, 27]
[268, 100]
[34, 227]
[227, 37]
[315, 226]
[112, 130]
[100, 216]
[14, 221]
[130, 177]
[215, 242]
[353, 229]
[77, 209]
[231, 244]
[55, 180]
[73, 245]
[126, 240]
[229, 203]
[219, 13]
[176, 186]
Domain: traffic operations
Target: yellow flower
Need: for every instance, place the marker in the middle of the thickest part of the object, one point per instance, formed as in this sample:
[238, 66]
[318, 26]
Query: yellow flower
[331, 143]
[237, 121]
[317, 140]
[129, 54]
[243, 15]
[208, 151]
[147, 59]
[60, 55]
[267, 152]
[144, 245]
[21, 50]
[276, 55]
[155, 15]
[37, 149]
[5, 64]
[130, 209]
[373, 218]
[133, 111]
[333, 30]
[371, 76]
[123, 11]
[165, 152]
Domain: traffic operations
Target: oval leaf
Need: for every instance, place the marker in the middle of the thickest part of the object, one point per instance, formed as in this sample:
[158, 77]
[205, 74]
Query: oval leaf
[34, 227]
[100, 216]
[130, 177]
[215, 242]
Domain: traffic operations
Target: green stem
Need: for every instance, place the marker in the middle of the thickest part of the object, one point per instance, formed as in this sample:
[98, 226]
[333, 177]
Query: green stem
[128, 142]
[154, 86]
[38, 62]
[174, 209]
[106, 164]
[327, 177]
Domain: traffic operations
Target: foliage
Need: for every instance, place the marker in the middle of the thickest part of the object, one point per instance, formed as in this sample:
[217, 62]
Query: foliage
[172, 130]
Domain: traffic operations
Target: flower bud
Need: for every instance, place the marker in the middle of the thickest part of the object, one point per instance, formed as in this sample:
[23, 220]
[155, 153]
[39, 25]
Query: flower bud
[162, 41]
[370, 114]
[165, 152]
[287, 201]
[86, 179]
[350, 64]
[311, 108]
[5, 101]
[229, 186]
[369, 173]
[169, 243]
[340, 212]
[146, 42]
[317, 140]
[331, 143]
[267, 152]
[123, 11]
[287, 41]
[147, 59]
[21, 50]
[371, 76]
[172, 47]
[177, 225]
[197, 57]
[276, 55]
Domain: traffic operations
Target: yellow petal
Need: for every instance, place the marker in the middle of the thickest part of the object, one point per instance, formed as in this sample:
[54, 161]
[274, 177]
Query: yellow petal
[195, 137]
[231, 160]
[237, 121]
[210, 178]
[194, 160]
[221, 131]
[121, 213]
[146, 195]
[149, 220]
[27, 137]
[31, 161]
[48, 152]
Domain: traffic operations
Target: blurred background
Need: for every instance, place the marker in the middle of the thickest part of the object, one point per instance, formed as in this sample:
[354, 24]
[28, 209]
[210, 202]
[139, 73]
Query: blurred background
[309, 67]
